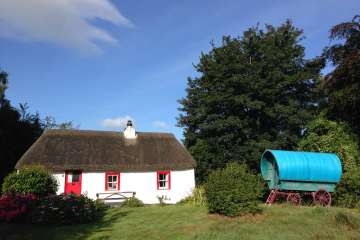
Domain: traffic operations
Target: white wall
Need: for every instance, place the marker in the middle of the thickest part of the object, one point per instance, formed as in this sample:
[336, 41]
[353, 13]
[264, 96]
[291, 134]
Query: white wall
[60, 178]
[143, 183]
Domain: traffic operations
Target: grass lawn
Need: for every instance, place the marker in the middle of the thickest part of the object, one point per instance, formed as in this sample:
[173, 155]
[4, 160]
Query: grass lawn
[186, 222]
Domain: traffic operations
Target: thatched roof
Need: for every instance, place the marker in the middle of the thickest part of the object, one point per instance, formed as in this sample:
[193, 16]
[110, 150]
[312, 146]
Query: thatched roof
[60, 150]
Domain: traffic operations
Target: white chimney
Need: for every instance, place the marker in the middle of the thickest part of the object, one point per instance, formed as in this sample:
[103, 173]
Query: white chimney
[129, 132]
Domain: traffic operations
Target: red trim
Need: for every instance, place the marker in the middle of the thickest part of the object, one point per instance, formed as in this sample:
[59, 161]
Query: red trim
[112, 174]
[157, 180]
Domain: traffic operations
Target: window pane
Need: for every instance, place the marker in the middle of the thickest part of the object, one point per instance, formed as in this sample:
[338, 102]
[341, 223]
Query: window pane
[112, 178]
[111, 186]
[162, 176]
[69, 178]
[162, 184]
[75, 177]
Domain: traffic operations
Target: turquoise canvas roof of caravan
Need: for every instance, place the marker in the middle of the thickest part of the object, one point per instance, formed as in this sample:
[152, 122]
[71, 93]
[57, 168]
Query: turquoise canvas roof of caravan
[279, 166]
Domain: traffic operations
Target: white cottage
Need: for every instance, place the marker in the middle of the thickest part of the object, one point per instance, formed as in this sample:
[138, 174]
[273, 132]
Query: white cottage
[109, 165]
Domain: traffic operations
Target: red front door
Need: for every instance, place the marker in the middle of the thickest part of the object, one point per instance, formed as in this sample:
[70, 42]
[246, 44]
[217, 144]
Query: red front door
[73, 182]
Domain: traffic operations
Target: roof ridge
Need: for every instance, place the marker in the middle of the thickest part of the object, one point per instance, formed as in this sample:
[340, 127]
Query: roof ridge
[102, 131]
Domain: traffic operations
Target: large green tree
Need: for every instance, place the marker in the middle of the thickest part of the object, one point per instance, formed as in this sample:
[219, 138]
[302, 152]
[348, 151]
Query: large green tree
[252, 92]
[342, 85]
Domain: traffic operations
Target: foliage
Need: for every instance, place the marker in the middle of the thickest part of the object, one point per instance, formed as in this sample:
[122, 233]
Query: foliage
[342, 85]
[233, 191]
[253, 92]
[50, 123]
[348, 190]
[3, 83]
[19, 130]
[197, 197]
[132, 202]
[66, 209]
[323, 135]
[52, 209]
[15, 207]
[32, 179]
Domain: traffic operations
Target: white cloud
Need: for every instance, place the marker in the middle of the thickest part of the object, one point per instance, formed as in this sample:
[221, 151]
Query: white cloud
[160, 125]
[65, 22]
[118, 122]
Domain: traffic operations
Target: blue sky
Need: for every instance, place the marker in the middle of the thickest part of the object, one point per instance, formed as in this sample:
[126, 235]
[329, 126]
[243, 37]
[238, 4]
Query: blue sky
[98, 62]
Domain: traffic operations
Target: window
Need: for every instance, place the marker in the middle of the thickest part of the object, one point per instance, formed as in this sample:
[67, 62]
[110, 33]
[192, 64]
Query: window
[163, 180]
[73, 177]
[112, 181]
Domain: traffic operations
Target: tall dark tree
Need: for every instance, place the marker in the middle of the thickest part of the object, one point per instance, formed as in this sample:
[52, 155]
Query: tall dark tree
[342, 85]
[3, 83]
[17, 133]
[253, 92]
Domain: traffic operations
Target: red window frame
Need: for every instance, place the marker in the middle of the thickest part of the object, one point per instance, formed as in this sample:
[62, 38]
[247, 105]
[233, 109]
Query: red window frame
[158, 182]
[107, 174]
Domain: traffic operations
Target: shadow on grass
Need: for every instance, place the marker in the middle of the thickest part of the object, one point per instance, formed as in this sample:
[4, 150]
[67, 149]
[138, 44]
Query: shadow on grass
[54, 232]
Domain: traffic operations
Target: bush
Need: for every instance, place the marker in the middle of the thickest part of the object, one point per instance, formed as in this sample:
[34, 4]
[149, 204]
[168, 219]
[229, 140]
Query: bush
[52, 209]
[32, 179]
[197, 198]
[132, 202]
[14, 207]
[348, 190]
[323, 135]
[233, 191]
[66, 209]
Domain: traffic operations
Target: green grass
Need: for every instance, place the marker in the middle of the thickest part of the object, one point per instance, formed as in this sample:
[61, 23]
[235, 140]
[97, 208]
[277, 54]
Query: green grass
[186, 222]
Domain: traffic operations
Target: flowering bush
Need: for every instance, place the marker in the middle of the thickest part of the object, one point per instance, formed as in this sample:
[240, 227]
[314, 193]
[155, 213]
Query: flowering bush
[66, 209]
[14, 207]
[53, 209]
[29, 196]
